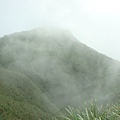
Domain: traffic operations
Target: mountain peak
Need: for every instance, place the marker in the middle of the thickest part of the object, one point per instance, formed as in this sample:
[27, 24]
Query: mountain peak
[51, 31]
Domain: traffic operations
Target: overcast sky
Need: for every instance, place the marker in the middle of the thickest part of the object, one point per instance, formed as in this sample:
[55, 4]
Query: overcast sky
[94, 22]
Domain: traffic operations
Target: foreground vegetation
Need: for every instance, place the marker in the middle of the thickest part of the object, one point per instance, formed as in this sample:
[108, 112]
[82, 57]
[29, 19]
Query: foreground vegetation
[91, 112]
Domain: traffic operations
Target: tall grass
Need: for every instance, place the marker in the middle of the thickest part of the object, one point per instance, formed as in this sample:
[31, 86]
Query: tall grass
[91, 112]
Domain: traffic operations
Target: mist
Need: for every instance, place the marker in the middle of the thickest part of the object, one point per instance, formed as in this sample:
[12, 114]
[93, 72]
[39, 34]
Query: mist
[58, 53]
[67, 71]
[95, 23]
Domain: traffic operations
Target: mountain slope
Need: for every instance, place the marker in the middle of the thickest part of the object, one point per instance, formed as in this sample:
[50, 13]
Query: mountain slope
[64, 69]
[13, 106]
[21, 99]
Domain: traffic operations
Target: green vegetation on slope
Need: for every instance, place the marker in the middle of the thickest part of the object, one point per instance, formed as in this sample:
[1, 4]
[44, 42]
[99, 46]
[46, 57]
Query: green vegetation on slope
[49, 68]
[13, 106]
[21, 99]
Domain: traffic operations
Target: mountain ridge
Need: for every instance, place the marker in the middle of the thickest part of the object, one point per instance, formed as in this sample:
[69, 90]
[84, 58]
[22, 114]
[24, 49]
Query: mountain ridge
[60, 66]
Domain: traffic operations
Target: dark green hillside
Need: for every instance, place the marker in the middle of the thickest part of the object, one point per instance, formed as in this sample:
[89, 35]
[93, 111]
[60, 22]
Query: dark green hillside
[13, 106]
[52, 62]
[21, 99]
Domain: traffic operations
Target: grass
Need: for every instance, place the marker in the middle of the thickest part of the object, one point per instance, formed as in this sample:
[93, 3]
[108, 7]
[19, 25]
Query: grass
[22, 102]
[90, 112]
[13, 106]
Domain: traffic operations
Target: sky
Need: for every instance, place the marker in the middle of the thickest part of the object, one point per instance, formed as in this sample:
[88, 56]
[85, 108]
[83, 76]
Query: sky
[95, 23]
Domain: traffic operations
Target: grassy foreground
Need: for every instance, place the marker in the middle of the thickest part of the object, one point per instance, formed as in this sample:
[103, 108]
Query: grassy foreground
[91, 112]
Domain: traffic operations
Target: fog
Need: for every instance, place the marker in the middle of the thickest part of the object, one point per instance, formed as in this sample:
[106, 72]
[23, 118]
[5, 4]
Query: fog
[95, 23]
[67, 71]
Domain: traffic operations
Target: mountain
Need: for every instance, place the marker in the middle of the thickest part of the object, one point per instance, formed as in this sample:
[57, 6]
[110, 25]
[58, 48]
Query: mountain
[48, 69]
